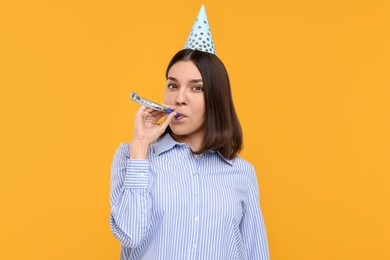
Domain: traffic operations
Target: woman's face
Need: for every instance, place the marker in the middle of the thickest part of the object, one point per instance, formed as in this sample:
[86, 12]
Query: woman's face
[185, 91]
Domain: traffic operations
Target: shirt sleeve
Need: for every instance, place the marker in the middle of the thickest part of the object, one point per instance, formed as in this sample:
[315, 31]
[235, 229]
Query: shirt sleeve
[129, 197]
[252, 225]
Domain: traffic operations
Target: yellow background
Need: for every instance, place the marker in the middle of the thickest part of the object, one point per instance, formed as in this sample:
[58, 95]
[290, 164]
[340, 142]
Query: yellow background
[311, 83]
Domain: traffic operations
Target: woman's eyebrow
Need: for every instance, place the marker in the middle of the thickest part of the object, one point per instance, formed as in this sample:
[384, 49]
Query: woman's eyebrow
[196, 80]
[192, 80]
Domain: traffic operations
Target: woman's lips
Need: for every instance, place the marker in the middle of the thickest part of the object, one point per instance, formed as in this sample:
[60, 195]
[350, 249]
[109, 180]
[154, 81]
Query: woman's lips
[181, 117]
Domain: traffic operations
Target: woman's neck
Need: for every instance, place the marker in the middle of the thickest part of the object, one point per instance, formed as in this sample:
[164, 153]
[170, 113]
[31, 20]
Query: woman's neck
[193, 141]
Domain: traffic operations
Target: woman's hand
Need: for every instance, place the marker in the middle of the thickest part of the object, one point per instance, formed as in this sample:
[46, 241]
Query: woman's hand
[147, 130]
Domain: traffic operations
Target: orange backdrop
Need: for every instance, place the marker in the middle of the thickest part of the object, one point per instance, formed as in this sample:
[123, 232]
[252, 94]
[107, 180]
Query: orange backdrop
[311, 83]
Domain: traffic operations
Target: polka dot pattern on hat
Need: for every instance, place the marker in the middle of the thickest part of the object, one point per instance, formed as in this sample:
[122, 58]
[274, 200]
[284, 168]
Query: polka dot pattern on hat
[200, 36]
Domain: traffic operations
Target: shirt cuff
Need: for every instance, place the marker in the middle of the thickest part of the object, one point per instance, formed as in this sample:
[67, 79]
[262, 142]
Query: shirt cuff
[137, 174]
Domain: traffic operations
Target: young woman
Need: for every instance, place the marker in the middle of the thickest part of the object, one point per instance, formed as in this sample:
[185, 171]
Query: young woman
[179, 190]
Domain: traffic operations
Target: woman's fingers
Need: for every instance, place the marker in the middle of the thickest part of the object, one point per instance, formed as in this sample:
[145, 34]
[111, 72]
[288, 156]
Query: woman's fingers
[167, 120]
[146, 111]
[149, 124]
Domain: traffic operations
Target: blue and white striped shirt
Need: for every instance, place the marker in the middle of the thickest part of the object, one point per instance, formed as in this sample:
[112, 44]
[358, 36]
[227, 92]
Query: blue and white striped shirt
[175, 205]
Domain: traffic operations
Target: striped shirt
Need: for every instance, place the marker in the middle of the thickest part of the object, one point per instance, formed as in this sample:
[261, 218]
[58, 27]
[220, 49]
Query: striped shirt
[175, 205]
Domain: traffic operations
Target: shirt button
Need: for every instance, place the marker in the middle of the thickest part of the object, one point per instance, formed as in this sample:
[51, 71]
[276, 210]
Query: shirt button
[193, 246]
[196, 218]
[195, 174]
[196, 194]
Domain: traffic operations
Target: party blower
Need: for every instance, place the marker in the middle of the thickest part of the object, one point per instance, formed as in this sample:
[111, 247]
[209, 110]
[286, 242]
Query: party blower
[150, 104]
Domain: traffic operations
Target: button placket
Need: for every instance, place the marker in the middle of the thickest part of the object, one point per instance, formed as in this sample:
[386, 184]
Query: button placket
[196, 207]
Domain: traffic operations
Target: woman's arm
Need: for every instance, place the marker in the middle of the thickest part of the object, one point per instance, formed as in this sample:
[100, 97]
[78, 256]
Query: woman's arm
[129, 199]
[252, 225]
[130, 179]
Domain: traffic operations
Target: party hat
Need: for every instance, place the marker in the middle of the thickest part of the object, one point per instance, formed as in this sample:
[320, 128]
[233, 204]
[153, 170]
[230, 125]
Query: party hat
[200, 36]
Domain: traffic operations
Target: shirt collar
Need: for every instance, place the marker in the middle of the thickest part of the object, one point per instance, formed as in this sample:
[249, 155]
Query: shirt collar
[166, 143]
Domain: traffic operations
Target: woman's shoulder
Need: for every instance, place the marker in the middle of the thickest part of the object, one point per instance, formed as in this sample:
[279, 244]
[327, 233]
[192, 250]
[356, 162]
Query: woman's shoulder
[247, 170]
[242, 163]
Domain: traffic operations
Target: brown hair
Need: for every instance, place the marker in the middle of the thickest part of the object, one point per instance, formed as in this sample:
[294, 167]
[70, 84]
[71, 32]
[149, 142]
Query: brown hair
[222, 129]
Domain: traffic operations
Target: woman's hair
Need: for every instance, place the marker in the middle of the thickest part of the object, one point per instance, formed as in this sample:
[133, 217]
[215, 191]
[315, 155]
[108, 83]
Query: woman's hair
[222, 129]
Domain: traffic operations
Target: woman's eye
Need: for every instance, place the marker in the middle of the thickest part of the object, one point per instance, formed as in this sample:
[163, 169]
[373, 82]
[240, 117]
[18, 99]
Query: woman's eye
[171, 86]
[198, 88]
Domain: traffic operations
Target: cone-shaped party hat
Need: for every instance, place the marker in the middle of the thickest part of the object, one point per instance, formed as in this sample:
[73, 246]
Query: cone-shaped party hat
[200, 36]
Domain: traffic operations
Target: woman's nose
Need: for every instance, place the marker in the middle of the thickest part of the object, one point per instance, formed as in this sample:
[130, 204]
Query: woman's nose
[181, 98]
